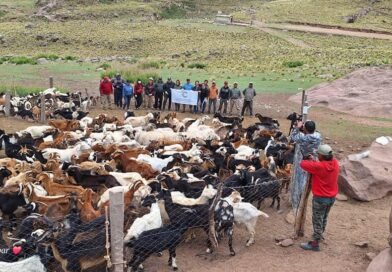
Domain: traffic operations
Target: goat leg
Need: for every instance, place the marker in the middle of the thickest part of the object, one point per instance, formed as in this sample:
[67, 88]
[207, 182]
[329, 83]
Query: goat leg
[172, 258]
[230, 233]
[278, 199]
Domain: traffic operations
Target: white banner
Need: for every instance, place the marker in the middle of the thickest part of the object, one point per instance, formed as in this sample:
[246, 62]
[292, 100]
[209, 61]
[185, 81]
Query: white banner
[184, 97]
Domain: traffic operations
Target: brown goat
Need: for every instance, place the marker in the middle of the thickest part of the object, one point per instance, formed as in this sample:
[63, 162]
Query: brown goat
[128, 164]
[65, 125]
[54, 188]
[87, 211]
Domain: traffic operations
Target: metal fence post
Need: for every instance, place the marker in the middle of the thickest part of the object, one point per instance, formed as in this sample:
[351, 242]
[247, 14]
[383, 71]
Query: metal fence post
[7, 106]
[116, 208]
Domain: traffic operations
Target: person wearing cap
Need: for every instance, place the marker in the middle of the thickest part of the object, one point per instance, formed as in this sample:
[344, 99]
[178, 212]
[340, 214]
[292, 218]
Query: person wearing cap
[224, 95]
[138, 91]
[249, 94]
[158, 94]
[212, 97]
[106, 90]
[149, 93]
[127, 94]
[118, 84]
[307, 141]
[167, 93]
[203, 95]
[325, 172]
[235, 99]
[188, 86]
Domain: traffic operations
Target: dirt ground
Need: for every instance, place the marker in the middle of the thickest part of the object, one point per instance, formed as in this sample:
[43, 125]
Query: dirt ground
[350, 221]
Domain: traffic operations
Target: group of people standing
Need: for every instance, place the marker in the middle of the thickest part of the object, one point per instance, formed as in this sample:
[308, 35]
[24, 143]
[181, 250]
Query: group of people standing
[157, 94]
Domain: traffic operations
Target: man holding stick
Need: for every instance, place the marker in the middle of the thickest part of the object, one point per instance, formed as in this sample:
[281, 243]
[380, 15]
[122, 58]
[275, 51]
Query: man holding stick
[324, 185]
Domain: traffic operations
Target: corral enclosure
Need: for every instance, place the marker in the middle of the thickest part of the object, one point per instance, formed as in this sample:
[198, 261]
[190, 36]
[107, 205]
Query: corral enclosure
[78, 42]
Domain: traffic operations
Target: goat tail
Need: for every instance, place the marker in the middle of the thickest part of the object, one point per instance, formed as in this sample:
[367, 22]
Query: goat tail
[263, 214]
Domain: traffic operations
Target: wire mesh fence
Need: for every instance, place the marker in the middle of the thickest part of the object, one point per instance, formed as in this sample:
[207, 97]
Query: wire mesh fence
[153, 223]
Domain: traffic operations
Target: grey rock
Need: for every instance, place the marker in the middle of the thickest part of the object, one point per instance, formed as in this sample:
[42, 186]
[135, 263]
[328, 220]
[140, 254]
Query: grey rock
[175, 56]
[42, 61]
[40, 37]
[362, 244]
[341, 197]
[287, 242]
[370, 256]
[290, 218]
[29, 25]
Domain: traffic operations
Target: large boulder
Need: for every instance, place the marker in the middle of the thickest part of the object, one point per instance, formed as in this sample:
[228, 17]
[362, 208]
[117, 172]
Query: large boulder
[382, 262]
[368, 175]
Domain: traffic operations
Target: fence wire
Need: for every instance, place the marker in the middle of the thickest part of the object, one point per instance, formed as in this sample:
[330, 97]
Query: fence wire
[66, 243]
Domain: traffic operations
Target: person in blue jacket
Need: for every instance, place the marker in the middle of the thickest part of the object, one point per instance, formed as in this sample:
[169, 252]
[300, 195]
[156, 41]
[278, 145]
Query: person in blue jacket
[188, 86]
[127, 94]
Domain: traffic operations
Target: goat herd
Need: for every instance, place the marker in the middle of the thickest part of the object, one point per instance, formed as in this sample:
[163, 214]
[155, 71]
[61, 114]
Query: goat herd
[56, 178]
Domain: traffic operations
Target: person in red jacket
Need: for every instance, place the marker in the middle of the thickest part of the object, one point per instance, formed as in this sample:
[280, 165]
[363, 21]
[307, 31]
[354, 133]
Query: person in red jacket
[106, 90]
[138, 92]
[325, 174]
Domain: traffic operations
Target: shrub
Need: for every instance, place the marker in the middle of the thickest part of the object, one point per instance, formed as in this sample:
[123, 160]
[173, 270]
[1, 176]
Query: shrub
[197, 65]
[293, 64]
[105, 66]
[70, 58]
[47, 56]
[22, 60]
[173, 12]
[149, 65]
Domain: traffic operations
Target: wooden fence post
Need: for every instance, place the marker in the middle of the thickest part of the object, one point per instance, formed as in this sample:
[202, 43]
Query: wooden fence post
[116, 208]
[390, 229]
[299, 226]
[43, 111]
[302, 100]
[7, 106]
[51, 83]
[211, 218]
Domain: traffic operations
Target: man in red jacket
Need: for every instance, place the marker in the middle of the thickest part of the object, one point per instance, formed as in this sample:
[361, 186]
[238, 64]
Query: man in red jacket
[106, 90]
[325, 173]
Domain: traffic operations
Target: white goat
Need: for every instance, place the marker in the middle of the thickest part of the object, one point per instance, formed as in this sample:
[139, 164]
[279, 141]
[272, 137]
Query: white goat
[66, 154]
[149, 221]
[194, 151]
[245, 213]
[208, 193]
[145, 137]
[140, 193]
[31, 264]
[156, 163]
[139, 121]
[36, 131]
[126, 179]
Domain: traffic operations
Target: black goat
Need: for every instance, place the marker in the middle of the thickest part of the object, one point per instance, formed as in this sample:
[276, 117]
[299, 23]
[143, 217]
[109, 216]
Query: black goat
[255, 161]
[24, 153]
[22, 112]
[86, 180]
[4, 173]
[10, 199]
[259, 185]
[227, 119]
[224, 217]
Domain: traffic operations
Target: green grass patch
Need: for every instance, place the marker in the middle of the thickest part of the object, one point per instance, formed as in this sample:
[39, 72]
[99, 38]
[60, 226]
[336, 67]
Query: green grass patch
[132, 75]
[51, 57]
[22, 60]
[263, 82]
[105, 66]
[20, 90]
[150, 65]
[293, 64]
[70, 58]
[197, 65]
[173, 12]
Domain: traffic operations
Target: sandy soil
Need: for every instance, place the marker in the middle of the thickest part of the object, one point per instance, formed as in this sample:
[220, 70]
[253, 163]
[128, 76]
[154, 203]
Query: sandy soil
[349, 222]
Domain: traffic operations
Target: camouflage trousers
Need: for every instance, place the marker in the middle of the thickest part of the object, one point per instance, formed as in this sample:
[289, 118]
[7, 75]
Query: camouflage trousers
[320, 210]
